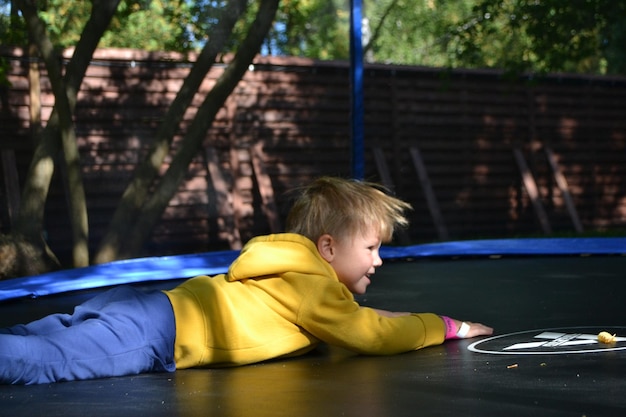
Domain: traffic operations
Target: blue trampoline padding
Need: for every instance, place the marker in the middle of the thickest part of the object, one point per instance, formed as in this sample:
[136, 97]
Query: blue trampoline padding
[116, 273]
[511, 247]
[211, 263]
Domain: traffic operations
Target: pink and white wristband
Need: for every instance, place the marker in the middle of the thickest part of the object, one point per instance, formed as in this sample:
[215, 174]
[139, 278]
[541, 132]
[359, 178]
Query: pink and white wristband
[451, 330]
[463, 330]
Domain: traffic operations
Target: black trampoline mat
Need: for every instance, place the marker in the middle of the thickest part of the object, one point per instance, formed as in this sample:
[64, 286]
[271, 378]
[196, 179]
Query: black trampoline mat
[522, 298]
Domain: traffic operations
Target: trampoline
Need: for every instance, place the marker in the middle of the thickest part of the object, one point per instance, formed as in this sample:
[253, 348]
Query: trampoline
[546, 298]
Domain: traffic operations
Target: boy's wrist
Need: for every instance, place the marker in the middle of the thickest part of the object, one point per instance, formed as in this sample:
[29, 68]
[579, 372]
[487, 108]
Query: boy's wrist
[452, 330]
[450, 327]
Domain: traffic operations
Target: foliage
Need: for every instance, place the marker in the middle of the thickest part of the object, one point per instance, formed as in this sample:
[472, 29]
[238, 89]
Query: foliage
[584, 36]
[418, 34]
[150, 25]
[312, 28]
[12, 28]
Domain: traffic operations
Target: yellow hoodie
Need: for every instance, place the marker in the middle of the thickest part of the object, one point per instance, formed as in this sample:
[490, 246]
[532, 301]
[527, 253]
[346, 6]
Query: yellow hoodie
[281, 298]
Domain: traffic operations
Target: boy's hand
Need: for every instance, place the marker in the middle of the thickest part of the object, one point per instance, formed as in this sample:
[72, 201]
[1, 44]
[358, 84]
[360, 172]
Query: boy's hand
[475, 329]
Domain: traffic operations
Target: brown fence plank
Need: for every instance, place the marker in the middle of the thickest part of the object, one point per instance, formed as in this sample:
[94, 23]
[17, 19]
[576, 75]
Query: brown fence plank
[533, 191]
[563, 186]
[433, 205]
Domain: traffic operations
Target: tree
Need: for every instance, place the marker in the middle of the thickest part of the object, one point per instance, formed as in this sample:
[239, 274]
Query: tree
[60, 126]
[583, 36]
[136, 208]
[137, 202]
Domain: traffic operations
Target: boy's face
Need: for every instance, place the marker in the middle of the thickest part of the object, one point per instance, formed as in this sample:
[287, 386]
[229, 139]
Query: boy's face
[355, 260]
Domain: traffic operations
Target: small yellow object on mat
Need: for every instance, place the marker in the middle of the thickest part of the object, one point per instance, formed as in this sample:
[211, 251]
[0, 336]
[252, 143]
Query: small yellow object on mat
[606, 337]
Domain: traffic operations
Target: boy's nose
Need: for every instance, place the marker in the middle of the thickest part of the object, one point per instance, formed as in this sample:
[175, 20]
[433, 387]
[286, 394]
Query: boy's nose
[377, 260]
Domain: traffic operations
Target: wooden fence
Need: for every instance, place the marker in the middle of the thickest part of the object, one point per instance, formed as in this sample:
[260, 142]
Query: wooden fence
[478, 155]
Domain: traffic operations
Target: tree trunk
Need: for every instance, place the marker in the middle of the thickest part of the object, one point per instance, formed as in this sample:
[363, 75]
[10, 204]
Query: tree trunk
[203, 120]
[136, 194]
[35, 191]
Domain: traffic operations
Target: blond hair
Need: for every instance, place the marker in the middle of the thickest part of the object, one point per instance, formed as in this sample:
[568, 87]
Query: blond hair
[345, 208]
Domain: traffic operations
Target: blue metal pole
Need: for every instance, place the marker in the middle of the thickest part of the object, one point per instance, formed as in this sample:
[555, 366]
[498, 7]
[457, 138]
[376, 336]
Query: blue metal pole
[356, 84]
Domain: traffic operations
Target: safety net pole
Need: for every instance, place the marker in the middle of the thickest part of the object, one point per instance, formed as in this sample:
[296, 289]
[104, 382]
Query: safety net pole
[356, 84]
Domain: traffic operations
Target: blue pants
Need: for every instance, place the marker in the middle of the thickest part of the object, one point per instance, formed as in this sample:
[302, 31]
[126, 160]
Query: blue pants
[122, 331]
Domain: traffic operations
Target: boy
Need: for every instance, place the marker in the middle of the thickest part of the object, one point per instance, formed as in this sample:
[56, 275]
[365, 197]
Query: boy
[282, 296]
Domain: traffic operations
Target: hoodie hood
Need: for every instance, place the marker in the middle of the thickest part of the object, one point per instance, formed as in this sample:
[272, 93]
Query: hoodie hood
[271, 255]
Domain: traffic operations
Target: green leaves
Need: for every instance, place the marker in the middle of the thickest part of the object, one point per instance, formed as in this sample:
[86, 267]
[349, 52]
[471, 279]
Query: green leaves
[584, 36]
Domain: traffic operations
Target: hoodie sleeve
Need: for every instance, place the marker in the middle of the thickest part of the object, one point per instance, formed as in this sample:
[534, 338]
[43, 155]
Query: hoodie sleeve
[331, 314]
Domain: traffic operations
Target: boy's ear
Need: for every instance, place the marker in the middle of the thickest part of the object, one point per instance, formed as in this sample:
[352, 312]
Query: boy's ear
[326, 247]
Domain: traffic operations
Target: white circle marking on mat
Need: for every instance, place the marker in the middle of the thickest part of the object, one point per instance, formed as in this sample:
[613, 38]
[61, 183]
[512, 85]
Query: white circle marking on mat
[554, 341]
